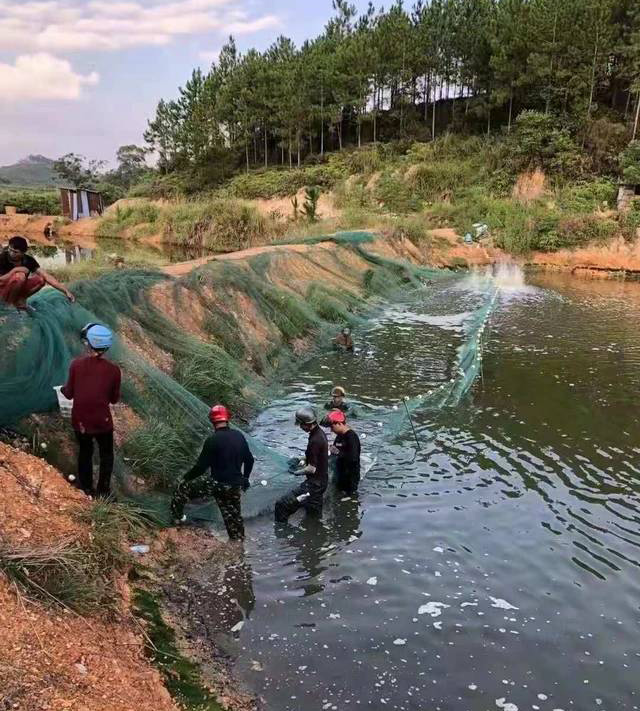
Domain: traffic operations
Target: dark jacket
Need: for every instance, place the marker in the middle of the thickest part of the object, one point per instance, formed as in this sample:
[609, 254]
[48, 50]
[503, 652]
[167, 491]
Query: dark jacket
[226, 454]
[317, 455]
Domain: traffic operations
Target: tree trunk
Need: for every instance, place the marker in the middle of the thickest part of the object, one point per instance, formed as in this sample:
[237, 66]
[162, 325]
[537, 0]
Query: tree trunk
[433, 116]
[255, 150]
[266, 147]
[322, 120]
[593, 76]
[637, 120]
[510, 109]
[340, 133]
[628, 106]
[489, 121]
[290, 153]
[359, 131]
[426, 97]
[553, 51]
[246, 149]
[299, 158]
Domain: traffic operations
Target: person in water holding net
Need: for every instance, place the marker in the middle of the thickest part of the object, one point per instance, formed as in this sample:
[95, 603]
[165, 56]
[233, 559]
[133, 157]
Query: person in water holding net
[22, 277]
[346, 448]
[228, 459]
[338, 402]
[94, 385]
[343, 341]
[314, 467]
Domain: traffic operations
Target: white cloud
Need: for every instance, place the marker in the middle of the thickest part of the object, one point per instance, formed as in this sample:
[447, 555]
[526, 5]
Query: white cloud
[42, 76]
[209, 57]
[77, 25]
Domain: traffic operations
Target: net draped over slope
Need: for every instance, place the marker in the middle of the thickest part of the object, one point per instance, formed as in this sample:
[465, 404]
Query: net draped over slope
[172, 374]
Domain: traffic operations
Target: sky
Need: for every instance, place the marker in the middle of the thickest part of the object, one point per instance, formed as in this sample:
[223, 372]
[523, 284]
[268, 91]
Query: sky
[84, 76]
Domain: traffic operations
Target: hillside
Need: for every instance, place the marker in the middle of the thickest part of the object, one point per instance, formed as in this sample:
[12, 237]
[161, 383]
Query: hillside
[34, 170]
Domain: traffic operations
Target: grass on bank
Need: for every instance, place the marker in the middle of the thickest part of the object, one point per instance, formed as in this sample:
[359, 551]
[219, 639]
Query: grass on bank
[454, 181]
[79, 575]
[212, 223]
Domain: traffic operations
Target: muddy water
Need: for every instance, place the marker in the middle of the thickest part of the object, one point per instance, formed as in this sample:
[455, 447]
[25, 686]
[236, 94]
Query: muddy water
[499, 565]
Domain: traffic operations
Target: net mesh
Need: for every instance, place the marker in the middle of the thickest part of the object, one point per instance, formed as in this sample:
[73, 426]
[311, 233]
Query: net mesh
[173, 371]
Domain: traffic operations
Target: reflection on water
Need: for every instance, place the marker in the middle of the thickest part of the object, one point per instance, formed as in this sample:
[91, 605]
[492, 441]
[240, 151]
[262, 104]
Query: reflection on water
[61, 254]
[497, 565]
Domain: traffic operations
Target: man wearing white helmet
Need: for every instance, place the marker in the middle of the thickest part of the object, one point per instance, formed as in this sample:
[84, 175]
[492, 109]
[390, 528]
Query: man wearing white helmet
[93, 385]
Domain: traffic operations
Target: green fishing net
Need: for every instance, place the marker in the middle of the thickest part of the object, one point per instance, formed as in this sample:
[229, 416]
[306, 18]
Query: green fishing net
[173, 373]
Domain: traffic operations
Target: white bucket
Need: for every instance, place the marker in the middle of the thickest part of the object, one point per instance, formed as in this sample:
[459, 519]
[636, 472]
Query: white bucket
[65, 404]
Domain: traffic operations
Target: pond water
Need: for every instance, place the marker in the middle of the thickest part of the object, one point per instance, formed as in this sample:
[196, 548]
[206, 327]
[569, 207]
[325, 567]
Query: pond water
[58, 255]
[498, 565]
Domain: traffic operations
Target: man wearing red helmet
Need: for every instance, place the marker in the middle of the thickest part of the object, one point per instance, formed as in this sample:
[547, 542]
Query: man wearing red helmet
[227, 456]
[347, 448]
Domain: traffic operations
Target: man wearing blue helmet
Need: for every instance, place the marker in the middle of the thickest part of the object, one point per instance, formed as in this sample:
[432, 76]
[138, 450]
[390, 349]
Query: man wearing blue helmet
[94, 385]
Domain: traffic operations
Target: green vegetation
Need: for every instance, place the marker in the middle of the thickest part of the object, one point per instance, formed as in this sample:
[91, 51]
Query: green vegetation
[30, 201]
[465, 67]
[81, 575]
[630, 163]
[213, 223]
[182, 677]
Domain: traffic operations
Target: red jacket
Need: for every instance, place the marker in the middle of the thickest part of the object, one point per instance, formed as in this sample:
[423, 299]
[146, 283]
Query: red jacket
[93, 384]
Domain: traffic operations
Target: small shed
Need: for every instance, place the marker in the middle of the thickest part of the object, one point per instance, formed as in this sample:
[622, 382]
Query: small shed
[78, 202]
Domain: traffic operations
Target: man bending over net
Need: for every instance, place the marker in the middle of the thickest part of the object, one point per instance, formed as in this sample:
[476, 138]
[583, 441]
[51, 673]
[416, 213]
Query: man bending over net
[221, 473]
[22, 277]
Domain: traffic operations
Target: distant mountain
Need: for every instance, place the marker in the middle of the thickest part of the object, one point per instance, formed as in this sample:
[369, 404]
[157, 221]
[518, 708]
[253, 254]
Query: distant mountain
[33, 170]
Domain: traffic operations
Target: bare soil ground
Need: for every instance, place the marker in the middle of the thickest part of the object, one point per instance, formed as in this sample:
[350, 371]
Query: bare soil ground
[282, 208]
[51, 658]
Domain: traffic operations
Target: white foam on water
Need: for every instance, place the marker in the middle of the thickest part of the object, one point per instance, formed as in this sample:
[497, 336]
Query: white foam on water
[502, 604]
[506, 705]
[399, 642]
[372, 581]
[432, 608]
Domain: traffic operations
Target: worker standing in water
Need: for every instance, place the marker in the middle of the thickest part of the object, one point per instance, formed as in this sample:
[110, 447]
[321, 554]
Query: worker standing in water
[346, 447]
[93, 385]
[338, 402]
[228, 458]
[21, 276]
[314, 467]
[344, 341]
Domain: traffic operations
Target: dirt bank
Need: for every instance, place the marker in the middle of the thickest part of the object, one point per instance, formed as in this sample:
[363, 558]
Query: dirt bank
[598, 260]
[51, 658]
[81, 233]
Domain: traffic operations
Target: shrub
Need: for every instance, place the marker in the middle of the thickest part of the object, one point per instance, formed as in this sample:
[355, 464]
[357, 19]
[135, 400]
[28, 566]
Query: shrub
[30, 201]
[412, 228]
[577, 230]
[218, 224]
[394, 193]
[125, 217]
[537, 141]
[630, 222]
[604, 140]
[434, 180]
[281, 182]
[587, 197]
[630, 163]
